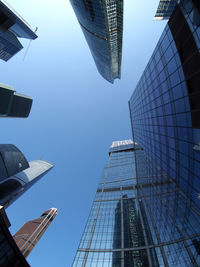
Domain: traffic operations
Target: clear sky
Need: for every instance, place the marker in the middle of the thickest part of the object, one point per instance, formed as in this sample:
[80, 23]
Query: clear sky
[75, 116]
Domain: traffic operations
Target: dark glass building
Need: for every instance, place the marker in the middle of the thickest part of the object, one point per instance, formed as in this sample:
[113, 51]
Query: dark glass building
[115, 234]
[102, 26]
[14, 186]
[10, 255]
[12, 27]
[17, 174]
[165, 9]
[13, 104]
[164, 110]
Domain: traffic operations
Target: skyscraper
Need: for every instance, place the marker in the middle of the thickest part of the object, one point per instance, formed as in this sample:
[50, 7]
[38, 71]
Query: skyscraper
[13, 104]
[29, 234]
[102, 25]
[146, 209]
[14, 186]
[12, 27]
[12, 161]
[164, 111]
[115, 234]
[165, 9]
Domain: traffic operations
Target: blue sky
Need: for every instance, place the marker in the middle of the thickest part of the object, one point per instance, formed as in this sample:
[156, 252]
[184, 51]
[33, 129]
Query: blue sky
[75, 116]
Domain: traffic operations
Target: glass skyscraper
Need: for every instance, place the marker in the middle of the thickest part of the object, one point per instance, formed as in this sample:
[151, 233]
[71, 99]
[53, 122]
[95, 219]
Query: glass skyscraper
[147, 205]
[165, 9]
[165, 111]
[115, 234]
[12, 27]
[102, 25]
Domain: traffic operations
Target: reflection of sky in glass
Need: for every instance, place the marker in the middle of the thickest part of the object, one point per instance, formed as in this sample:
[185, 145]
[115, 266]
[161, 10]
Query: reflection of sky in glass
[103, 227]
[89, 115]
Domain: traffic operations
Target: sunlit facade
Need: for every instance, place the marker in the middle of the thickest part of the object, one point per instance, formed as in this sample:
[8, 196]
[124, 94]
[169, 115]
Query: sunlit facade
[114, 234]
[164, 111]
[147, 205]
[102, 25]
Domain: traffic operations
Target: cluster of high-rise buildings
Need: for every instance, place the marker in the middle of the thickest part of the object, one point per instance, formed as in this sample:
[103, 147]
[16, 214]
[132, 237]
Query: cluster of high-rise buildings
[146, 211]
[17, 174]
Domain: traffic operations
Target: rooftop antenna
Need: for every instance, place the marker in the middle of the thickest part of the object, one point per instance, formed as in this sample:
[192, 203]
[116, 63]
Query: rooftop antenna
[29, 45]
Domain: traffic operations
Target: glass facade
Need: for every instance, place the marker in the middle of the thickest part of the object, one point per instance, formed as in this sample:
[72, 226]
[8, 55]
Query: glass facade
[14, 186]
[12, 26]
[165, 9]
[102, 25]
[164, 110]
[147, 205]
[139, 217]
[114, 234]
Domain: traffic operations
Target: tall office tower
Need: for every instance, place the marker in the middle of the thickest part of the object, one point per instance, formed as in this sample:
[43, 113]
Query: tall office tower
[165, 9]
[13, 187]
[115, 234]
[165, 111]
[102, 25]
[17, 174]
[12, 27]
[13, 104]
[30, 233]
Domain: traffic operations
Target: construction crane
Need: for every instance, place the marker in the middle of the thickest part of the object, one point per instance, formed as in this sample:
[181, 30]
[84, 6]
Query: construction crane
[29, 45]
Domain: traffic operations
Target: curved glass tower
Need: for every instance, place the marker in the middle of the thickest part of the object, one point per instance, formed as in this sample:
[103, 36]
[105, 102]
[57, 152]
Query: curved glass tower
[12, 27]
[14, 186]
[102, 25]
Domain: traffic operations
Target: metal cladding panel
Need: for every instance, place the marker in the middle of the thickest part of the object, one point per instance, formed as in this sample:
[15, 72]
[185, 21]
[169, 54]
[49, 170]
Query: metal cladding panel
[13, 160]
[37, 169]
[21, 106]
